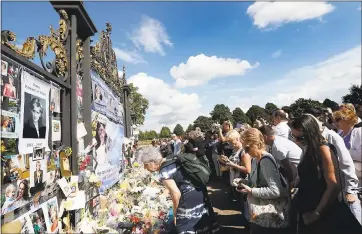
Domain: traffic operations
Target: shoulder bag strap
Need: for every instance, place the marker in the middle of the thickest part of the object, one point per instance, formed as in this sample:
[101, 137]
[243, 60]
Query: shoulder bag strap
[334, 150]
[282, 179]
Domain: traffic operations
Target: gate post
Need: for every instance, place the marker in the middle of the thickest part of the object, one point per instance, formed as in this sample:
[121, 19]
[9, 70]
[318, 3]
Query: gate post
[82, 28]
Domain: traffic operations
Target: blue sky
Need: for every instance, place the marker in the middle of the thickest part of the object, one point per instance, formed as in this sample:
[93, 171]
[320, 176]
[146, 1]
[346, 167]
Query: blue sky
[263, 52]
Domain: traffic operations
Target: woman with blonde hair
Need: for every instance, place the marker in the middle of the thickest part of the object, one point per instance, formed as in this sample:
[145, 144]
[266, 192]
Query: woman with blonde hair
[266, 186]
[239, 162]
[351, 107]
[346, 121]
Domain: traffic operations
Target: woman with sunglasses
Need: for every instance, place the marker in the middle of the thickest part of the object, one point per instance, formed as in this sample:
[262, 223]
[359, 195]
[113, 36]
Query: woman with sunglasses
[318, 183]
[346, 120]
[266, 184]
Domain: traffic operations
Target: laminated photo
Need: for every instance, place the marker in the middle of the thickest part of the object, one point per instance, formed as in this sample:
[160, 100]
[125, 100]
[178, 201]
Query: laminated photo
[51, 184]
[21, 225]
[64, 164]
[55, 99]
[52, 160]
[38, 222]
[14, 195]
[9, 124]
[27, 227]
[38, 176]
[63, 184]
[56, 130]
[15, 167]
[4, 68]
[38, 154]
[35, 106]
[51, 215]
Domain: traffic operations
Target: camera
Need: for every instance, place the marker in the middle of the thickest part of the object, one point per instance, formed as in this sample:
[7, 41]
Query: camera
[215, 127]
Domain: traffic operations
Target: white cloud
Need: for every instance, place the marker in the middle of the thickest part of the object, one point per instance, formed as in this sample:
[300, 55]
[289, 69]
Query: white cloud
[120, 73]
[151, 35]
[275, 14]
[128, 56]
[200, 69]
[277, 54]
[328, 79]
[167, 106]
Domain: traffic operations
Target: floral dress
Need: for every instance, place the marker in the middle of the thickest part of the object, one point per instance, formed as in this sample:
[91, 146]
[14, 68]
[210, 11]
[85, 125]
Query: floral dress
[194, 213]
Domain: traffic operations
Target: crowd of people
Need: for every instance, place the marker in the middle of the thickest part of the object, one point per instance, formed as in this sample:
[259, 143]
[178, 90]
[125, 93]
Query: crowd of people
[290, 175]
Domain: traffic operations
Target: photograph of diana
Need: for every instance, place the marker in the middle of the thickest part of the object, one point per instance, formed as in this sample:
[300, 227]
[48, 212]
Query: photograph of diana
[34, 117]
[98, 95]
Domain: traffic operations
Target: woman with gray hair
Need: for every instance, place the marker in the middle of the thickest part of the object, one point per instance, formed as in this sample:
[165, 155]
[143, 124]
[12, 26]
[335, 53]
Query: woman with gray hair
[192, 208]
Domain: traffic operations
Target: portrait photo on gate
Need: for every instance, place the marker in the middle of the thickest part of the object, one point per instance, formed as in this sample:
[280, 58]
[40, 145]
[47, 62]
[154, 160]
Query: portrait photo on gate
[38, 176]
[38, 154]
[34, 120]
[15, 167]
[98, 95]
[14, 195]
[10, 88]
[4, 68]
[34, 117]
[52, 215]
[38, 220]
[55, 99]
[9, 124]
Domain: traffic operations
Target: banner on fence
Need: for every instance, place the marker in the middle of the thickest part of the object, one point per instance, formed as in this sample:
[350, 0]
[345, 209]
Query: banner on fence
[104, 100]
[108, 137]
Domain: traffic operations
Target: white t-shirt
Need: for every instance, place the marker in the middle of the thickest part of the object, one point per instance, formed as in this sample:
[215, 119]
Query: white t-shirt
[346, 164]
[282, 129]
[283, 148]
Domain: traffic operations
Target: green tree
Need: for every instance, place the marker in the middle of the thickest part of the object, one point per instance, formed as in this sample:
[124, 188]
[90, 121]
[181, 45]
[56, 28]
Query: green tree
[138, 104]
[221, 113]
[203, 122]
[152, 135]
[255, 112]
[286, 109]
[178, 130]
[239, 116]
[354, 96]
[190, 128]
[165, 132]
[331, 104]
[147, 135]
[269, 107]
[302, 105]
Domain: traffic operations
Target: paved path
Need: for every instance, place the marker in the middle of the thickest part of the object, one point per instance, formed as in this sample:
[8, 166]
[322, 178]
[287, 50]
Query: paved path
[229, 214]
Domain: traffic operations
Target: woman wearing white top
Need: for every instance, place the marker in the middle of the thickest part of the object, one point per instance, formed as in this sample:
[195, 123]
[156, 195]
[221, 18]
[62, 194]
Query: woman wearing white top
[346, 120]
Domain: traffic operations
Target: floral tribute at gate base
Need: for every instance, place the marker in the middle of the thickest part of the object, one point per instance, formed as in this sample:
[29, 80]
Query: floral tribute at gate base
[138, 204]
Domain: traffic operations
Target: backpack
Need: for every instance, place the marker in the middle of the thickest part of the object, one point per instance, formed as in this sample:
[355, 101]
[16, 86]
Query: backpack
[192, 167]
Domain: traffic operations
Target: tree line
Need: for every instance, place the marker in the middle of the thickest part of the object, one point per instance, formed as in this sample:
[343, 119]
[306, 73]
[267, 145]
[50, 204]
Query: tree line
[221, 112]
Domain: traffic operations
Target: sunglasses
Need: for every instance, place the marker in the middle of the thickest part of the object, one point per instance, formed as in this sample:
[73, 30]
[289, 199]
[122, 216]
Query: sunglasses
[337, 119]
[297, 138]
[247, 149]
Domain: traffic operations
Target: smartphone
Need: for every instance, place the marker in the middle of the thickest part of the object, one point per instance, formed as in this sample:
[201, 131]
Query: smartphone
[240, 187]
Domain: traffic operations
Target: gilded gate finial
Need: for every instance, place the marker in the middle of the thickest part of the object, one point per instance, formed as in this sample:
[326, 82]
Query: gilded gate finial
[28, 48]
[56, 41]
[104, 61]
